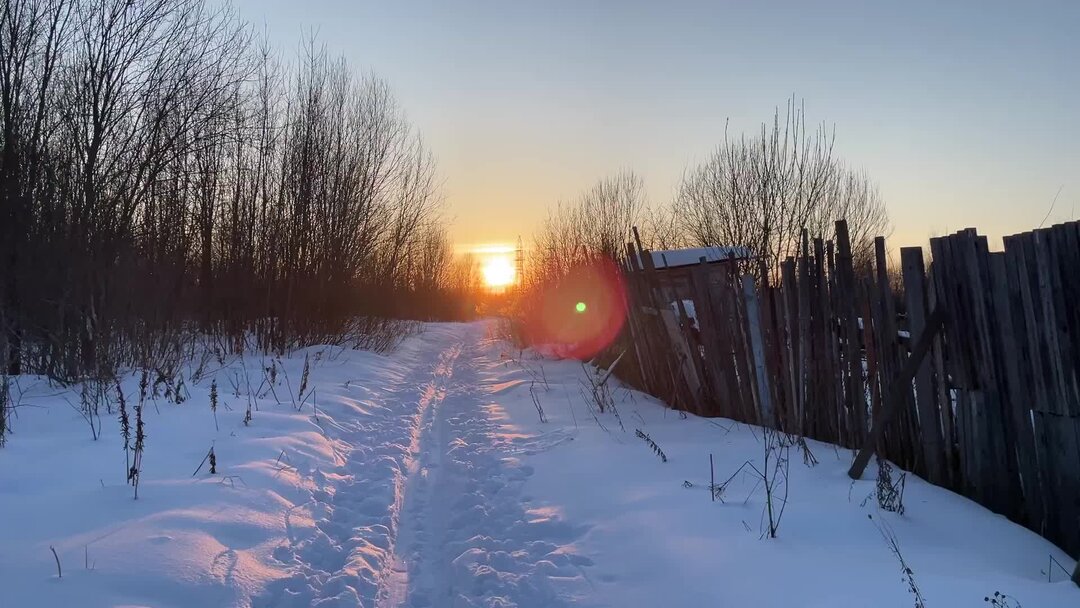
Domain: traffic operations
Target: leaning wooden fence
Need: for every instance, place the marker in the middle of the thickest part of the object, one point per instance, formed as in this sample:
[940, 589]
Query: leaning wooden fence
[970, 378]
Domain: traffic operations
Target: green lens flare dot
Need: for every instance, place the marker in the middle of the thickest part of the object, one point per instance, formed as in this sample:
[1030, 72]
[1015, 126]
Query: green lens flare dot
[580, 307]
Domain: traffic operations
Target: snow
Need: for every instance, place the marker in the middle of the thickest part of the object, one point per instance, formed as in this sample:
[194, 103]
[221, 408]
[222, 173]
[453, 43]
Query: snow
[687, 257]
[427, 479]
[688, 306]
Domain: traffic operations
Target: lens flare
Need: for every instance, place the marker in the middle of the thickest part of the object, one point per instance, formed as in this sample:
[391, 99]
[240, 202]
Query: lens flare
[583, 313]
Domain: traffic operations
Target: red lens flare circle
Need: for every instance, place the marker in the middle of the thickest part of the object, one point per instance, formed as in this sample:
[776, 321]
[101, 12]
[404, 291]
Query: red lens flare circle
[582, 314]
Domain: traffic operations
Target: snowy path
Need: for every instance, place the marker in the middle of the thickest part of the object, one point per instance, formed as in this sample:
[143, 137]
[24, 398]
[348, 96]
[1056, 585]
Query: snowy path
[424, 507]
[466, 538]
[427, 479]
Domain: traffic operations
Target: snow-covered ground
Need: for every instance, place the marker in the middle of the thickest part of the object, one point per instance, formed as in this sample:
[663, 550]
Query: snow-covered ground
[426, 478]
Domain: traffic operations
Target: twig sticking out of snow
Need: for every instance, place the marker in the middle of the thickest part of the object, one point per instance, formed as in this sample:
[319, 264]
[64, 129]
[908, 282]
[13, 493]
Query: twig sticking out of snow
[890, 495]
[652, 444]
[304, 379]
[717, 491]
[140, 441]
[125, 426]
[536, 401]
[894, 546]
[599, 395]
[5, 399]
[712, 480]
[213, 463]
[775, 477]
[270, 379]
[808, 457]
[59, 572]
[283, 466]
[1000, 600]
[213, 402]
[230, 480]
[1050, 569]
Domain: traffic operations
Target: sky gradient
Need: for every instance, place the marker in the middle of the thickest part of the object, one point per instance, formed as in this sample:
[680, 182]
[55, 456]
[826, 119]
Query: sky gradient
[965, 113]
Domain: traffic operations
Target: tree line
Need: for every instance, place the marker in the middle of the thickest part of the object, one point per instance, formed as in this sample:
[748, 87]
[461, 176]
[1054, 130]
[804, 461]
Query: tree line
[756, 191]
[163, 172]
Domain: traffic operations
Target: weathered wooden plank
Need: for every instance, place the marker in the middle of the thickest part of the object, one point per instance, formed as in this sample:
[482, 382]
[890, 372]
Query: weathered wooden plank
[743, 359]
[1050, 322]
[815, 423]
[949, 297]
[874, 380]
[1019, 431]
[853, 384]
[1059, 445]
[685, 386]
[943, 393]
[719, 295]
[654, 351]
[770, 340]
[757, 348]
[715, 380]
[666, 357]
[692, 353]
[835, 352]
[1072, 284]
[902, 433]
[805, 343]
[827, 426]
[793, 359]
[965, 441]
[1064, 256]
[956, 359]
[983, 465]
[990, 466]
[638, 335]
[1001, 476]
[911, 262]
[683, 357]
[894, 400]
[1021, 247]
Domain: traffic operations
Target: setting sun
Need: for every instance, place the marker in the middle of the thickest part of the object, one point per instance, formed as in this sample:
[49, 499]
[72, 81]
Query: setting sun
[498, 271]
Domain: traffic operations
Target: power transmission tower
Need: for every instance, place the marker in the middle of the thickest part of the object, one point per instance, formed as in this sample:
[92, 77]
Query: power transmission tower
[519, 266]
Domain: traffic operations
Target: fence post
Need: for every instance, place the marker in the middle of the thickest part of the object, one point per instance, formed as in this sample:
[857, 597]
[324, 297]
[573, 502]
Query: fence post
[911, 262]
[1017, 416]
[757, 347]
[845, 280]
[790, 298]
[803, 327]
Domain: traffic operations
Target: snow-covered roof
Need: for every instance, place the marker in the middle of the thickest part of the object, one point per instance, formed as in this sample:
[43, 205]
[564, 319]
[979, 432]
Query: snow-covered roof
[674, 258]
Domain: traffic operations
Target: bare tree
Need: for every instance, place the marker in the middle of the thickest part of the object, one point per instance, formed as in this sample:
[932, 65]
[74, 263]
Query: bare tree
[661, 229]
[760, 192]
[608, 211]
[597, 223]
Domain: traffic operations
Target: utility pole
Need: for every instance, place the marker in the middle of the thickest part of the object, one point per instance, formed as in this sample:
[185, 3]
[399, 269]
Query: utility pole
[519, 266]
